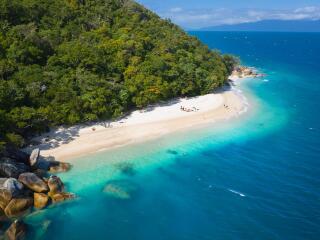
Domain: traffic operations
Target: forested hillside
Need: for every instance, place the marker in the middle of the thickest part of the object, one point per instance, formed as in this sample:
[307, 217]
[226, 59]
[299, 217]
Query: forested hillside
[69, 61]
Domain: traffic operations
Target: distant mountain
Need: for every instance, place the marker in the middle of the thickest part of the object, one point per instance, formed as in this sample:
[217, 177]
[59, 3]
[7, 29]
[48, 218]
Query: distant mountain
[271, 26]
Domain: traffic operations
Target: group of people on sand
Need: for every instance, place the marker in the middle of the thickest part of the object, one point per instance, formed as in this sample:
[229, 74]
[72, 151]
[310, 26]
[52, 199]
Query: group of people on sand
[226, 106]
[193, 109]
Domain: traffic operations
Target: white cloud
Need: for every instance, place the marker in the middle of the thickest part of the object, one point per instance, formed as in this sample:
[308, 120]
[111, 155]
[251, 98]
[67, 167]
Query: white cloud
[198, 18]
[310, 9]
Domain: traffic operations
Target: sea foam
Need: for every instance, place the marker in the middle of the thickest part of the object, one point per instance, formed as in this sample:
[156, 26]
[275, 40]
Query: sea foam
[236, 192]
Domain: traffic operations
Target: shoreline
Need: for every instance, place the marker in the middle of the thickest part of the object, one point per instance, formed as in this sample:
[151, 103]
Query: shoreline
[143, 125]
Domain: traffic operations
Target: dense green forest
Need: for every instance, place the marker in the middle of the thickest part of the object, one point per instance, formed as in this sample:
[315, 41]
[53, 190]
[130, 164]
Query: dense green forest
[70, 61]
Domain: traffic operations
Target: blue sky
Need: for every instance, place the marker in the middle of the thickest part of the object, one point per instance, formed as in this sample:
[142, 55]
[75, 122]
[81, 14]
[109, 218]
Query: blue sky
[203, 13]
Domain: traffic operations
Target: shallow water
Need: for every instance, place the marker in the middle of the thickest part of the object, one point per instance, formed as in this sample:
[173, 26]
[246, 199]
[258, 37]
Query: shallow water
[254, 177]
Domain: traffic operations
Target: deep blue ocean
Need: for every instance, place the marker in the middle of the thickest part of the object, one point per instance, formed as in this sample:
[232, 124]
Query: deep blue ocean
[256, 177]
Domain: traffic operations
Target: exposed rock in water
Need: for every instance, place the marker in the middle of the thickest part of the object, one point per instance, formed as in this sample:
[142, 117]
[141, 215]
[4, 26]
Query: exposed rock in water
[33, 182]
[13, 186]
[9, 168]
[55, 184]
[245, 72]
[18, 206]
[45, 163]
[40, 200]
[24, 184]
[34, 156]
[62, 196]
[57, 167]
[5, 198]
[17, 230]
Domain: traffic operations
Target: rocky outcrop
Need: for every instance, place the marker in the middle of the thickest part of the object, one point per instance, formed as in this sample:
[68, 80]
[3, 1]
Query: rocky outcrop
[56, 192]
[17, 230]
[13, 186]
[24, 183]
[33, 182]
[34, 156]
[40, 200]
[56, 167]
[17, 155]
[11, 169]
[18, 206]
[40, 173]
[55, 184]
[245, 72]
[43, 164]
[2, 181]
[5, 198]
[9, 188]
[61, 196]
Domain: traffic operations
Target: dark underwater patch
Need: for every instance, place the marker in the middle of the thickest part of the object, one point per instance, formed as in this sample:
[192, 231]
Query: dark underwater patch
[126, 168]
[173, 152]
[121, 189]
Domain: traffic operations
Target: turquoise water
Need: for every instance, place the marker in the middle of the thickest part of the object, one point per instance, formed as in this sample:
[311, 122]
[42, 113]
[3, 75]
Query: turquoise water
[254, 177]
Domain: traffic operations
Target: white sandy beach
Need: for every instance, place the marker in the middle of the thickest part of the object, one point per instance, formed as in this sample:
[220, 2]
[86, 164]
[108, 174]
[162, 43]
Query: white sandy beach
[67, 143]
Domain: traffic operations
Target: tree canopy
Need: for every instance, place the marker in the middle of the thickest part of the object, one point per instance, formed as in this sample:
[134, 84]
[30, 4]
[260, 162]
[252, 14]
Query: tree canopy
[70, 61]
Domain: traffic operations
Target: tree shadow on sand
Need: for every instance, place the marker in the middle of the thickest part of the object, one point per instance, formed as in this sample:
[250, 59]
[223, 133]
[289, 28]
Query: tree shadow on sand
[64, 135]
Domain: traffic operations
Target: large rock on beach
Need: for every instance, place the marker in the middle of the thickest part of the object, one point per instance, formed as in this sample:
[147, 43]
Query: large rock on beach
[13, 186]
[55, 184]
[16, 231]
[5, 198]
[33, 182]
[17, 155]
[18, 206]
[34, 156]
[2, 181]
[40, 173]
[9, 188]
[12, 169]
[40, 200]
[43, 164]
